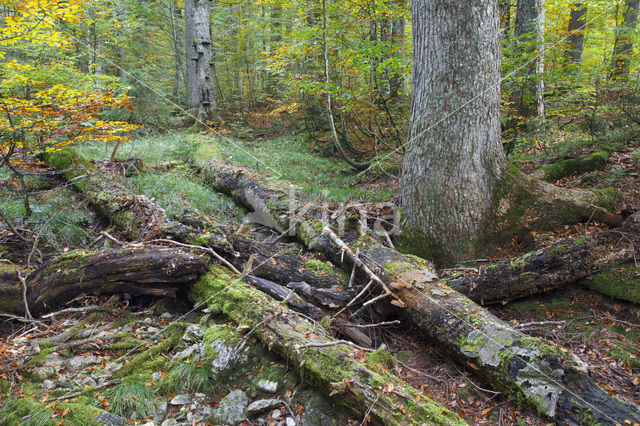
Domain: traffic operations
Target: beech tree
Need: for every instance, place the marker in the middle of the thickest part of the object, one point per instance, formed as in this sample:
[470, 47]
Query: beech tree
[201, 94]
[623, 46]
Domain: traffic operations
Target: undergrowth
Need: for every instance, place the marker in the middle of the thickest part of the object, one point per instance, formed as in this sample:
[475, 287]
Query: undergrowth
[131, 396]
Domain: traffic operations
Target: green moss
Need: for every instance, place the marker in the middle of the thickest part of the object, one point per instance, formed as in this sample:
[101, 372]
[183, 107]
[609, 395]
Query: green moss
[320, 266]
[39, 359]
[380, 359]
[581, 240]
[149, 358]
[594, 161]
[605, 198]
[621, 282]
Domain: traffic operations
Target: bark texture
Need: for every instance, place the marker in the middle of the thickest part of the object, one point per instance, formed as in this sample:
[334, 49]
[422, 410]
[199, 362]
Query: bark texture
[623, 45]
[454, 157]
[201, 94]
[157, 271]
[575, 39]
[546, 376]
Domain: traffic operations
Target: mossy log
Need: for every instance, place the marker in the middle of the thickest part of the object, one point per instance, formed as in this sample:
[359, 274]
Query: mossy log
[157, 271]
[357, 380]
[531, 370]
[566, 261]
[618, 281]
[27, 410]
[139, 218]
[585, 163]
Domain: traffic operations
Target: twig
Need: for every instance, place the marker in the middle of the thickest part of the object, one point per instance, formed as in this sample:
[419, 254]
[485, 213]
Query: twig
[537, 324]
[380, 324]
[23, 282]
[82, 309]
[356, 260]
[111, 238]
[205, 249]
[332, 343]
[365, 420]
[22, 319]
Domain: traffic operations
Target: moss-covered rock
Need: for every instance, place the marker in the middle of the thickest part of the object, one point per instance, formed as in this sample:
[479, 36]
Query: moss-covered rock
[620, 282]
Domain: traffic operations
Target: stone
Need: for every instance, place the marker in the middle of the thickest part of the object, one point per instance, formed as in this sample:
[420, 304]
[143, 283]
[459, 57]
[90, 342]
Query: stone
[160, 411]
[318, 412]
[48, 385]
[46, 372]
[169, 422]
[113, 367]
[77, 363]
[153, 330]
[232, 409]
[89, 381]
[262, 405]
[195, 348]
[290, 422]
[267, 386]
[149, 424]
[166, 316]
[193, 333]
[275, 414]
[227, 358]
[182, 399]
[156, 376]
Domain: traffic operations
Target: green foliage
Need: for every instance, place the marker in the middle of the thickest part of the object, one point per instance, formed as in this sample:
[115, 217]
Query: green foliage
[189, 377]
[131, 396]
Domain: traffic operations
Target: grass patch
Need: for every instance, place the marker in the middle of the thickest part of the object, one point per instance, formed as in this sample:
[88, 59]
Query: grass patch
[176, 190]
[292, 159]
[131, 396]
[152, 149]
[189, 377]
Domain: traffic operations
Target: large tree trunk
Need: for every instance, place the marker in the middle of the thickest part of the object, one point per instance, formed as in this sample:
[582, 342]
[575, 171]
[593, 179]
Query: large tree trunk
[201, 94]
[575, 39]
[156, 271]
[623, 45]
[529, 39]
[530, 369]
[454, 158]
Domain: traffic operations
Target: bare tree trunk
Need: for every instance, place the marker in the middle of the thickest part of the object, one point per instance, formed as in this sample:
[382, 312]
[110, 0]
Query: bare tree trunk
[201, 94]
[454, 158]
[540, 58]
[623, 46]
[576, 28]
[529, 33]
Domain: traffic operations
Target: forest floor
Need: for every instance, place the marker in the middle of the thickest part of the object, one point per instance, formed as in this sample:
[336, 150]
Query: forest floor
[110, 351]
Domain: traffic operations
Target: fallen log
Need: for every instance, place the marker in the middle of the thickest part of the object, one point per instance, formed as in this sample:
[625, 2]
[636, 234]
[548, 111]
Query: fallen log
[157, 271]
[530, 370]
[595, 161]
[564, 262]
[139, 218]
[359, 381]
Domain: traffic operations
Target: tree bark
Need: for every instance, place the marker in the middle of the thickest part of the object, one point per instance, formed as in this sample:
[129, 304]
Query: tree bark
[546, 376]
[529, 35]
[454, 157]
[623, 45]
[575, 39]
[201, 94]
[157, 271]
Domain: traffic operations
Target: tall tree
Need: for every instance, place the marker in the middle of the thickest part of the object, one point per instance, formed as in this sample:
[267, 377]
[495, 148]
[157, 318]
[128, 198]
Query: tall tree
[201, 95]
[454, 159]
[575, 39]
[623, 45]
[529, 34]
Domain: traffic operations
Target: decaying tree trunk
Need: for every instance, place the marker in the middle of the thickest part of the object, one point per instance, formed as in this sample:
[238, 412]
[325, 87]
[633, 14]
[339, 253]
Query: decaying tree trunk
[157, 271]
[564, 262]
[357, 380]
[546, 376]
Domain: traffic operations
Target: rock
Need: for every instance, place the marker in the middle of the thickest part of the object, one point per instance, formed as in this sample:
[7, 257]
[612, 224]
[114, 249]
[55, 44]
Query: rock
[166, 316]
[149, 424]
[153, 330]
[318, 412]
[182, 399]
[156, 376]
[261, 405]
[46, 372]
[275, 414]
[89, 381]
[48, 385]
[227, 357]
[113, 367]
[77, 363]
[53, 358]
[195, 348]
[160, 411]
[193, 333]
[267, 386]
[148, 320]
[169, 422]
[232, 409]
[108, 419]
[290, 422]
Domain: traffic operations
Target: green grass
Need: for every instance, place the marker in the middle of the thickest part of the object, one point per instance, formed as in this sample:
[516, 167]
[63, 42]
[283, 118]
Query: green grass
[174, 191]
[151, 149]
[62, 219]
[189, 377]
[291, 158]
[131, 396]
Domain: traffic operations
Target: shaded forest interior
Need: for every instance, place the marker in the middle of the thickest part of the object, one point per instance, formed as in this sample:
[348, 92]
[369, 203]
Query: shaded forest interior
[339, 213]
